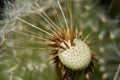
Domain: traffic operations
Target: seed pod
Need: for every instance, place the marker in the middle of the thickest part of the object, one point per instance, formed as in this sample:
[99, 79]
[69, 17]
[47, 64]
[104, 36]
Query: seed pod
[77, 57]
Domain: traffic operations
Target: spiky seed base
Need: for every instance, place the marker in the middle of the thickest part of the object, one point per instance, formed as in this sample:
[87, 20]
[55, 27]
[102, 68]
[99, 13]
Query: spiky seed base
[77, 57]
[70, 53]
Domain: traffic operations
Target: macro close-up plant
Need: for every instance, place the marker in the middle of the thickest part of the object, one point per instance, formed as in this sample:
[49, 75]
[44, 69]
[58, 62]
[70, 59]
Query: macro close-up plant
[59, 40]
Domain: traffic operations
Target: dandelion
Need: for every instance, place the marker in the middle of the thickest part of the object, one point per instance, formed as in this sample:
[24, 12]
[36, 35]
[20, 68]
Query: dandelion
[36, 26]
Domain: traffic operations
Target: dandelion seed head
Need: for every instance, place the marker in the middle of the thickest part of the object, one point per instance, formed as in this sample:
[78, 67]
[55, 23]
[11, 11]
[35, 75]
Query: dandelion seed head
[77, 57]
[49, 25]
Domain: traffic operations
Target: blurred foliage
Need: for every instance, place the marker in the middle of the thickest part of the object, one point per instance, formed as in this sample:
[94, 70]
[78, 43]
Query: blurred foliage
[112, 7]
